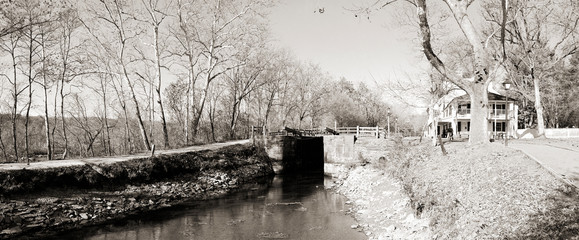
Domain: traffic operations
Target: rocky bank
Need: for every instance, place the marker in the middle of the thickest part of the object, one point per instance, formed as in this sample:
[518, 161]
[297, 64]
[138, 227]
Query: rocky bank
[36, 203]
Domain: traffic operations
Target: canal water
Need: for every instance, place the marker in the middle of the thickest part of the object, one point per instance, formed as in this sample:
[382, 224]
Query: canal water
[285, 207]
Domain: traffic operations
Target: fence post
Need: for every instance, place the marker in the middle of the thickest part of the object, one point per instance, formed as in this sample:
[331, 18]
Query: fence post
[377, 132]
[252, 134]
[357, 131]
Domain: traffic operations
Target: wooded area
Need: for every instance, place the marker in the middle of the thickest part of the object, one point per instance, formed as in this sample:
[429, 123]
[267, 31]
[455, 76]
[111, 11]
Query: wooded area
[110, 77]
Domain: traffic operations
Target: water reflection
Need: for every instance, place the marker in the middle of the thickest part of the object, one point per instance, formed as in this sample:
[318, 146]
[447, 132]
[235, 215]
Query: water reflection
[283, 207]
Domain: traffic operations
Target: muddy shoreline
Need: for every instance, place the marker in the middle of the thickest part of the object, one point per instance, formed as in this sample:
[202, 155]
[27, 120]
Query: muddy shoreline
[116, 191]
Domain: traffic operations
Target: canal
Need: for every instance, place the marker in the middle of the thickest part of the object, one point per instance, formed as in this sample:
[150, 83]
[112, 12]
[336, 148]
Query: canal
[282, 207]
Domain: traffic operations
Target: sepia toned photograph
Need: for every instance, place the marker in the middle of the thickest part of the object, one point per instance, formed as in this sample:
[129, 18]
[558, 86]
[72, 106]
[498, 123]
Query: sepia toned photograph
[289, 119]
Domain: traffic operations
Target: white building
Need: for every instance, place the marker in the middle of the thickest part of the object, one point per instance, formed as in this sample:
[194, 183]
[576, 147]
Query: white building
[454, 112]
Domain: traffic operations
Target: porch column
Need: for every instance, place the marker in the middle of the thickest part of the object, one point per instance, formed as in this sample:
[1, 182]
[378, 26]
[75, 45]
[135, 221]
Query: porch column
[454, 125]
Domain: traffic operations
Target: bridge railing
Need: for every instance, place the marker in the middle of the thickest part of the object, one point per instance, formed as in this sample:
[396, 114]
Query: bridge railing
[358, 131]
[362, 131]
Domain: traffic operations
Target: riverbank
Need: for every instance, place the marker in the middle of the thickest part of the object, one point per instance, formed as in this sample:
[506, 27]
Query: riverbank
[378, 201]
[475, 192]
[58, 199]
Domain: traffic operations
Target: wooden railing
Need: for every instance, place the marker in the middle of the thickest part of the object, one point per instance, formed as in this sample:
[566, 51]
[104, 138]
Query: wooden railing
[358, 131]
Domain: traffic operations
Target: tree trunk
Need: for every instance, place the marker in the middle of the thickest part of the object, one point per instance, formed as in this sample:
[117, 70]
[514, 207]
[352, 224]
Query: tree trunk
[26, 122]
[2, 141]
[55, 114]
[538, 107]
[15, 108]
[30, 81]
[187, 111]
[212, 121]
[234, 117]
[47, 122]
[200, 110]
[63, 120]
[128, 143]
[479, 114]
[432, 119]
[138, 113]
[45, 88]
[107, 140]
[159, 77]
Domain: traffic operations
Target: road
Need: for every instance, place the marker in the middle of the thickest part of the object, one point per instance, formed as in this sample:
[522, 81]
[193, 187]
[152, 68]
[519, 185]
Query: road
[563, 162]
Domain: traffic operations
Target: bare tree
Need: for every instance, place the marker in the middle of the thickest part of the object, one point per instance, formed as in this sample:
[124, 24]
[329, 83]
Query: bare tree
[83, 122]
[13, 20]
[277, 71]
[157, 13]
[33, 35]
[10, 46]
[185, 35]
[217, 34]
[538, 37]
[241, 82]
[115, 15]
[475, 81]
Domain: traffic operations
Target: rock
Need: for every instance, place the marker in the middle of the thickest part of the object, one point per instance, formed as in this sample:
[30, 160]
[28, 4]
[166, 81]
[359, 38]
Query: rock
[76, 207]
[301, 209]
[354, 226]
[33, 226]
[10, 231]
[84, 216]
[17, 219]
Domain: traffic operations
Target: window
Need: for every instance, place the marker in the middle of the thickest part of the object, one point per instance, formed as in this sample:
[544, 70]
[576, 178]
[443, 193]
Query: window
[499, 106]
[499, 126]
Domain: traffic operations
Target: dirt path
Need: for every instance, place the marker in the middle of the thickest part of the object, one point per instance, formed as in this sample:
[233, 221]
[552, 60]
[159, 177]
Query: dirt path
[562, 162]
[109, 160]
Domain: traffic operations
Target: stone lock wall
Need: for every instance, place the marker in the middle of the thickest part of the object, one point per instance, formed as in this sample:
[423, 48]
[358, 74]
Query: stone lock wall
[308, 154]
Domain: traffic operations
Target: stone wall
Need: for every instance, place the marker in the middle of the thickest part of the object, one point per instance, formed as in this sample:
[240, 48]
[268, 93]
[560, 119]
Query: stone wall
[303, 154]
[339, 149]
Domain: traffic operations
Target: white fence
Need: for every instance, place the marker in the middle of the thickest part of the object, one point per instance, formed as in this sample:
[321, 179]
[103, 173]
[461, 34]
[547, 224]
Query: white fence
[549, 133]
[358, 131]
[362, 131]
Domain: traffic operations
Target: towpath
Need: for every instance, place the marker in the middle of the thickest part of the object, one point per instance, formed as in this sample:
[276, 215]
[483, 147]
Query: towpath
[113, 159]
[563, 162]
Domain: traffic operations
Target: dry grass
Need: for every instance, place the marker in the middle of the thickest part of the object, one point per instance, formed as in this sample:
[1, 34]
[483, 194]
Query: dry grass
[485, 192]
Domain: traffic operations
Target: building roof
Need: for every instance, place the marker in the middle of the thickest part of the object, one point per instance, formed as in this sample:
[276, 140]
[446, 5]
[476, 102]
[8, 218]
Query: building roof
[466, 98]
[492, 97]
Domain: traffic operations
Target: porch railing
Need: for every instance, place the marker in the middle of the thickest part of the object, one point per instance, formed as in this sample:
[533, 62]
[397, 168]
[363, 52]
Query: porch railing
[463, 112]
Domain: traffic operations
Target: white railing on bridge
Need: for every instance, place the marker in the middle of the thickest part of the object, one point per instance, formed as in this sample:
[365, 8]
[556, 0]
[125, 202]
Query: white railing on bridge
[358, 131]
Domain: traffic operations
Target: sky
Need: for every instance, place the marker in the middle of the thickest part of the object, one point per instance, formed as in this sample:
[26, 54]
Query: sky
[356, 48]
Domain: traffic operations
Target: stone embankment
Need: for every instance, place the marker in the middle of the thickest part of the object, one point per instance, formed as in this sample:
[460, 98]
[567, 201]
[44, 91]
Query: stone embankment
[377, 200]
[38, 202]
